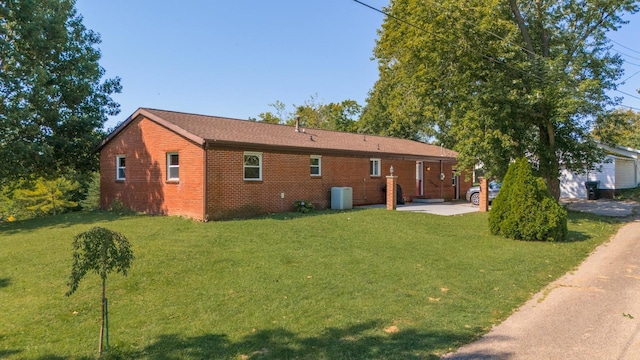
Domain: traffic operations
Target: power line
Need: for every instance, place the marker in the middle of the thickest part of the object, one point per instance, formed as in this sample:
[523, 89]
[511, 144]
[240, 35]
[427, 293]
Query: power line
[487, 31]
[627, 55]
[634, 74]
[626, 47]
[393, 17]
[501, 38]
[630, 107]
[443, 38]
[630, 63]
[622, 92]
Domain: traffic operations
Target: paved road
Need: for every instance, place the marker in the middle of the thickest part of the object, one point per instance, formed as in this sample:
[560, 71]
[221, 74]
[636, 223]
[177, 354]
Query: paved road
[592, 313]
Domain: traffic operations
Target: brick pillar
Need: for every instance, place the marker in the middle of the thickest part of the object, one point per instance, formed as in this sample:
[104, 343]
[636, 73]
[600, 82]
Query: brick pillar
[484, 195]
[392, 194]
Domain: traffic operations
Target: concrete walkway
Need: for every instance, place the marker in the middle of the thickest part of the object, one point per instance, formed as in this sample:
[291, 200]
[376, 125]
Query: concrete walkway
[592, 313]
[444, 208]
[437, 208]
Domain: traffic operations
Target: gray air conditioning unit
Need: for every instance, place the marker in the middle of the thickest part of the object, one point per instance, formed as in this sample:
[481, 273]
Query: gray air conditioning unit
[341, 198]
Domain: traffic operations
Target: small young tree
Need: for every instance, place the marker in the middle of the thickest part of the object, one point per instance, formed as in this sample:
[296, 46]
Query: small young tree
[102, 251]
[525, 209]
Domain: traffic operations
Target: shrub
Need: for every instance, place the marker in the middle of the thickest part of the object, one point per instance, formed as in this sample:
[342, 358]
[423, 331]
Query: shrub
[119, 208]
[91, 200]
[303, 206]
[525, 209]
[48, 196]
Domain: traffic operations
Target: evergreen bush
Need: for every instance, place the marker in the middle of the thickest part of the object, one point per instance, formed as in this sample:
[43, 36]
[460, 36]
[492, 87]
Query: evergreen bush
[525, 209]
[91, 200]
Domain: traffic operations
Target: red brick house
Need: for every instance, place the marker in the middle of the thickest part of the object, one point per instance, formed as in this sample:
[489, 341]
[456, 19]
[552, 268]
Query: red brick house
[206, 167]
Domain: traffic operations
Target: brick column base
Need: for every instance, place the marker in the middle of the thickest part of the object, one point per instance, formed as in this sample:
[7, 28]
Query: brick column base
[392, 194]
[484, 195]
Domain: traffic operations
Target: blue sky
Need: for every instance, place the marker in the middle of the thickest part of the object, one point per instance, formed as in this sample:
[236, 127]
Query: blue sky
[234, 58]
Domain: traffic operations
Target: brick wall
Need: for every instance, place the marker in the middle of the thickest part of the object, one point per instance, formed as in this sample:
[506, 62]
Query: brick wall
[229, 195]
[145, 189]
[285, 177]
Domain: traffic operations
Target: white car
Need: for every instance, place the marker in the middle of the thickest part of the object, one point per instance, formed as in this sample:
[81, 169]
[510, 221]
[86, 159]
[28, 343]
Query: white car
[473, 194]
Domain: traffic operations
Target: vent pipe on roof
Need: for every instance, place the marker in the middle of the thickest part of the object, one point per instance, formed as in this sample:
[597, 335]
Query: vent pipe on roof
[297, 123]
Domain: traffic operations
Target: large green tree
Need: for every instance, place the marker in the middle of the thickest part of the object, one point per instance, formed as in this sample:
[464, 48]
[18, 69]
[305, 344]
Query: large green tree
[53, 99]
[622, 129]
[498, 80]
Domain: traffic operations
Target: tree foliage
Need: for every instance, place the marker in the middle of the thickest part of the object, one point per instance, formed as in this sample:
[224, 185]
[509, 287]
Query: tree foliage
[48, 196]
[101, 251]
[91, 199]
[622, 129]
[497, 80]
[525, 210]
[279, 117]
[341, 116]
[53, 102]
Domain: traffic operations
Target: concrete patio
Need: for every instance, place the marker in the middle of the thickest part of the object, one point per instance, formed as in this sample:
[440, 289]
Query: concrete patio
[438, 208]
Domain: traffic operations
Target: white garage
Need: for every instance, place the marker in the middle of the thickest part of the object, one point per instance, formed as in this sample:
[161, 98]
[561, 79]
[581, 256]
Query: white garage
[620, 170]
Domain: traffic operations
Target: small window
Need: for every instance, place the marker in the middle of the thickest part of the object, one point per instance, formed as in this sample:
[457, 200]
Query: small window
[374, 167]
[252, 166]
[120, 166]
[173, 166]
[316, 165]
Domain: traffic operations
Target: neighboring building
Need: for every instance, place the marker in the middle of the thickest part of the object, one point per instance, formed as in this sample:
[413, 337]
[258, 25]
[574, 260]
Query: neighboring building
[206, 167]
[620, 170]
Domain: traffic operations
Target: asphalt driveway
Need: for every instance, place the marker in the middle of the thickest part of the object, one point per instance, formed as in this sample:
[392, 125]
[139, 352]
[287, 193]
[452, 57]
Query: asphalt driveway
[590, 313]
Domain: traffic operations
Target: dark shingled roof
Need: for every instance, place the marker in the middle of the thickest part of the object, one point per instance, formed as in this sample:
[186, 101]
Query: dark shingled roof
[221, 131]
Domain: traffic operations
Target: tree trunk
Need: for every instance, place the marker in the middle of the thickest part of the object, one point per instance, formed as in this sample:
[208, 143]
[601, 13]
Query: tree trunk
[553, 184]
[104, 285]
[549, 164]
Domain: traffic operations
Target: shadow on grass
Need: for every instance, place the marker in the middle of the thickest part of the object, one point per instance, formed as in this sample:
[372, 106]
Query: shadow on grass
[60, 220]
[4, 282]
[576, 217]
[294, 215]
[7, 352]
[356, 342]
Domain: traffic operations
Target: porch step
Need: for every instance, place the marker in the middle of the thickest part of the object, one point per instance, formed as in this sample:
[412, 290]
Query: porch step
[427, 201]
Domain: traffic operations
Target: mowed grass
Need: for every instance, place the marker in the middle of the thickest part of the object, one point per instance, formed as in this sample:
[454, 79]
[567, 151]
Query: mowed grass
[369, 284]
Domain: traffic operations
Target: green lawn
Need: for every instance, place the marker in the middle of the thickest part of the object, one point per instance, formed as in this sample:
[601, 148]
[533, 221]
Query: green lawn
[330, 285]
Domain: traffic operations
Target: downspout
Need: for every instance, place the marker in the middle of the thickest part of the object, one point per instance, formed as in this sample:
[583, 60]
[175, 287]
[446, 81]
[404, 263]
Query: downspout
[364, 189]
[205, 171]
[441, 180]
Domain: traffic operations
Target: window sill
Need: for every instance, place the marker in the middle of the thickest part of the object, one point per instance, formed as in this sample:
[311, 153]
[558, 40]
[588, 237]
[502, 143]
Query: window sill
[172, 182]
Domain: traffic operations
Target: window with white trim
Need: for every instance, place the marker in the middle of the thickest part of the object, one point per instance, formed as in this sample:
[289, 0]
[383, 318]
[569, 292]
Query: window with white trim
[120, 167]
[252, 166]
[173, 166]
[315, 168]
[374, 167]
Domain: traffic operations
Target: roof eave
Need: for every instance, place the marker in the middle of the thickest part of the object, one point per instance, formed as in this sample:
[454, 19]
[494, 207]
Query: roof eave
[299, 149]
